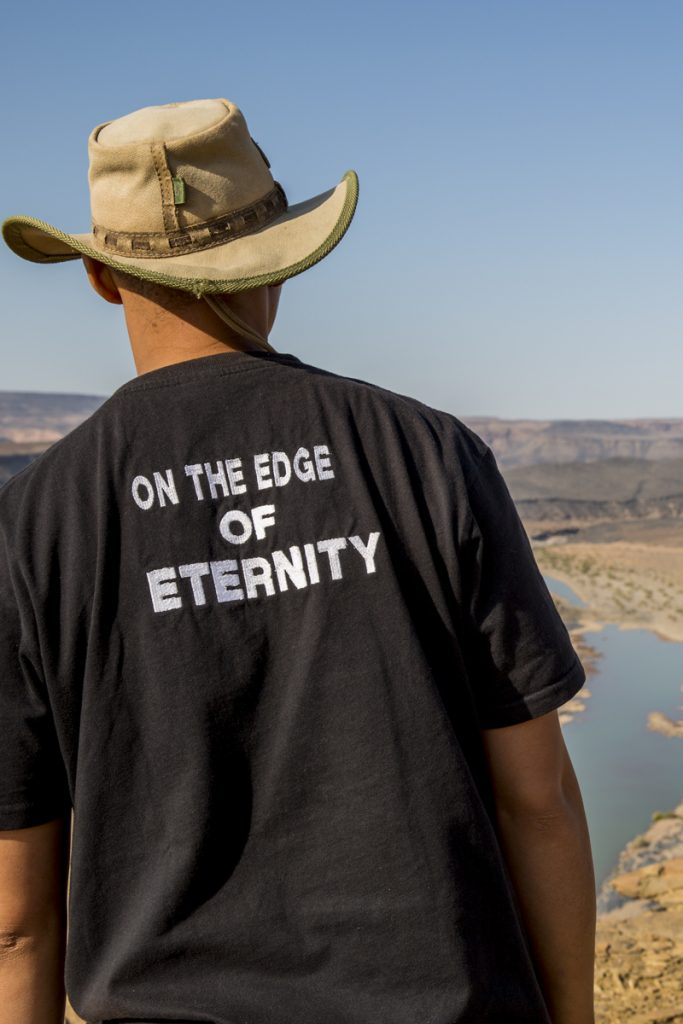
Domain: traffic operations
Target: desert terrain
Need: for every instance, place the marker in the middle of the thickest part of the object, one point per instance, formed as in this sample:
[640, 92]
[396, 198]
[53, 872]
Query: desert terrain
[634, 585]
[639, 949]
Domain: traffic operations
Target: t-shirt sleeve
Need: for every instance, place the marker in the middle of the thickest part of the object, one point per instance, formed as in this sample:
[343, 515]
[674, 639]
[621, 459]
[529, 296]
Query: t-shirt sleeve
[520, 657]
[33, 787]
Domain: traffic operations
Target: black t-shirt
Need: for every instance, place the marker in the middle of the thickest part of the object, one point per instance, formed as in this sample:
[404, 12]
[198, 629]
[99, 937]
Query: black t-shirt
[253, 616]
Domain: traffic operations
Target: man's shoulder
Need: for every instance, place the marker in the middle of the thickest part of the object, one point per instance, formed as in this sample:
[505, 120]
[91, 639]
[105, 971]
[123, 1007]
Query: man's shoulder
[414, 416]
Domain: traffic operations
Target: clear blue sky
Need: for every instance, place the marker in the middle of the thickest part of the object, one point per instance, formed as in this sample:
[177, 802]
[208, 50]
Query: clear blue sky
[517, 246]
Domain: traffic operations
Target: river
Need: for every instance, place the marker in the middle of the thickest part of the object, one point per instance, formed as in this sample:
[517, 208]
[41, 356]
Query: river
[626, 771]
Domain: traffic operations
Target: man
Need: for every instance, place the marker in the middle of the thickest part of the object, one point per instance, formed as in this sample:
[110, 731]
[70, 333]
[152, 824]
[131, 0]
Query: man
[278, 638]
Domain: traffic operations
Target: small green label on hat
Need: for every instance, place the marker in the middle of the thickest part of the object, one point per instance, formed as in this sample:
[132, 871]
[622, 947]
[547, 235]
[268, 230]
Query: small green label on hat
[178, 191]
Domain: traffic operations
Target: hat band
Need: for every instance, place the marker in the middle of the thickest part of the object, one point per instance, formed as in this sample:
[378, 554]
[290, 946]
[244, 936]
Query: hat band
[206, 235]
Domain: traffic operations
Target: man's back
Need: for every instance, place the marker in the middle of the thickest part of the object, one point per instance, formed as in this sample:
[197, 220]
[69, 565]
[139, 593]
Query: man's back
[270, 609]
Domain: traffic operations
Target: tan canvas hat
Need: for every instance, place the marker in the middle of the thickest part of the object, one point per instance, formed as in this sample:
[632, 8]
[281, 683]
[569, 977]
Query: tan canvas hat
[182, 195]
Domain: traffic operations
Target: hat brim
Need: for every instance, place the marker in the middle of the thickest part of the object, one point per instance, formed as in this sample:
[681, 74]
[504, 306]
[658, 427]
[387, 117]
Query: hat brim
[297, 240]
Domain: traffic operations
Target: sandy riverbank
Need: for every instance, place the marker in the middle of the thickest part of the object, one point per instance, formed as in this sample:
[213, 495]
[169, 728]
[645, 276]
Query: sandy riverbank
[633, 585]
[639, 949]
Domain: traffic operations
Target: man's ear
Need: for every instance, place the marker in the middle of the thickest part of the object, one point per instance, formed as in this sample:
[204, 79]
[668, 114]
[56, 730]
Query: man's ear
[102, 280]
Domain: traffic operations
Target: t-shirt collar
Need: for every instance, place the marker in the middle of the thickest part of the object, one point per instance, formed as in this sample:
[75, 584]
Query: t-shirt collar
[218, 364]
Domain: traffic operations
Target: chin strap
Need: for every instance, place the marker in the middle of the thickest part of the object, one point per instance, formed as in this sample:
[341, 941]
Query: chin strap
[236, 324]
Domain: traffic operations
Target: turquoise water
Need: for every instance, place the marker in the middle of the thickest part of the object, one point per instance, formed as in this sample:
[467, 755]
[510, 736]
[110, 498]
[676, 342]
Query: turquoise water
[626, 771]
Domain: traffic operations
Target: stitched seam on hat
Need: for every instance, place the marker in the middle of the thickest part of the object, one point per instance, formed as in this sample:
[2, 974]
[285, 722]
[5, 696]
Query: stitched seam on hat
[168, 208]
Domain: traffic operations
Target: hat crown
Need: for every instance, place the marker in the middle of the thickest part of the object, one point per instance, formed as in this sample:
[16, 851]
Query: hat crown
[166, 169]
[162, 123]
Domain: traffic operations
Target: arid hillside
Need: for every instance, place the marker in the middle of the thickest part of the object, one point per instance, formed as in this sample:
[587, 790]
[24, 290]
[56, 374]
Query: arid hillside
[613, 499]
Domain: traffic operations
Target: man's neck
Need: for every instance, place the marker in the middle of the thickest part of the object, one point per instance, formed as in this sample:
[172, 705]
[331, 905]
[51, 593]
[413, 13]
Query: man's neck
[159, 337]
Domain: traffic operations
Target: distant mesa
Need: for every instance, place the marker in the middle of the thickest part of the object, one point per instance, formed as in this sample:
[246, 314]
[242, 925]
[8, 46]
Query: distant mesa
[31, 421]
[27, 417]
[528, 442]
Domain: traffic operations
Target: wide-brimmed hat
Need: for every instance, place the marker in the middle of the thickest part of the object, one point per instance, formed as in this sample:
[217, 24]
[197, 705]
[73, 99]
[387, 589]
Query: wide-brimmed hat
[182, 195]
